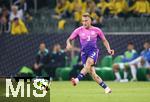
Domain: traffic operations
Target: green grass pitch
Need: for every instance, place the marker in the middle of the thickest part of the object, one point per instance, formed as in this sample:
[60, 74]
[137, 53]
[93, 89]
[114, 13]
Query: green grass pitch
[89, 91]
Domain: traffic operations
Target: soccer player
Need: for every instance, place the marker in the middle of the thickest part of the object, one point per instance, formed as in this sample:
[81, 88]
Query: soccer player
[143, 61]
[88, 35]
[128, 56]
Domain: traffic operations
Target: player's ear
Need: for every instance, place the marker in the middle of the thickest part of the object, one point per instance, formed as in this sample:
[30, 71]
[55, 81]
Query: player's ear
[91, 19]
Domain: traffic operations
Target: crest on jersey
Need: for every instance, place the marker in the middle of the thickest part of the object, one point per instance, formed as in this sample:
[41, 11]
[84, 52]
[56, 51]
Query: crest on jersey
[93, 33]
[83, 34]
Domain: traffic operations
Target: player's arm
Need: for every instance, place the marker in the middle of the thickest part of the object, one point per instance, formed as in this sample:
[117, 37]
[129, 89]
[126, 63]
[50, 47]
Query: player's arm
[68, 42]
[106, 44]
[72, 37]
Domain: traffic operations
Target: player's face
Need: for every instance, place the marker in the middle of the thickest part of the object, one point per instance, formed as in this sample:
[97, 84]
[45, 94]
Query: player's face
[58, 47]
[86, 21]
[14, 10]
[42, 47]
[146, 45]
[16, 22]
[130, 47]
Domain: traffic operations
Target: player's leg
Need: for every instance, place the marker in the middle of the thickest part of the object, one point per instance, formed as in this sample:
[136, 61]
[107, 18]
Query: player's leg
[83, 72]
[133, 72]
[141, 63]
[145, 64]
[88, 63]
[74, 71]
[95, 77]
[80, 76]
[148, 74]
[126, 67]
[125, 73]
[133, 65]
[116, 71]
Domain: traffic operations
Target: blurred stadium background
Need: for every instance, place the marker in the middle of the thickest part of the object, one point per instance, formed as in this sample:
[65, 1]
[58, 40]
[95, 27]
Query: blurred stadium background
[52, 21]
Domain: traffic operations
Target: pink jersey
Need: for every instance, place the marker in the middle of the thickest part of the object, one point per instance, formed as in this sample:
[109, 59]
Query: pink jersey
[88, 37]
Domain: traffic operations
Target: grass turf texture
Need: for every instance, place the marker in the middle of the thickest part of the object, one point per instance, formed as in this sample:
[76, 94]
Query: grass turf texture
[89, 91]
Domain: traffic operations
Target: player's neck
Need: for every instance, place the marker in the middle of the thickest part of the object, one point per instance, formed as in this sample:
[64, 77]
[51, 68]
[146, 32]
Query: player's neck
[88, 27]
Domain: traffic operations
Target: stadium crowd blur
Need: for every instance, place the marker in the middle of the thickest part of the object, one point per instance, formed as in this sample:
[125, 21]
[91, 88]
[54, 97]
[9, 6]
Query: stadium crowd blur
[49, 61]
[19, 12]
[12, 17]
[100, 9]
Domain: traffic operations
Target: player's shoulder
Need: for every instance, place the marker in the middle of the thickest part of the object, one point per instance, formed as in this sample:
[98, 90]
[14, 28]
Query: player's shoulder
[79, 28]
[96, 28]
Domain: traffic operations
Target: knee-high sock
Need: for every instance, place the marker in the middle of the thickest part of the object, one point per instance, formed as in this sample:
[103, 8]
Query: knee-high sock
[79, 77]
[133, 71]
[125, 75]
[117, 74]
[103, 85]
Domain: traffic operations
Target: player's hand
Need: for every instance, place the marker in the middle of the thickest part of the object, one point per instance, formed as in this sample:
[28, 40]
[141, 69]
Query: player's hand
[69, 47]
[142, 61]
[111, 52]
[36, 66]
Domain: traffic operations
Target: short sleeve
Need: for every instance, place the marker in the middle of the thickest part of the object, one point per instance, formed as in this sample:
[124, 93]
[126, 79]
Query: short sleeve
[74, 34]
[100, 34]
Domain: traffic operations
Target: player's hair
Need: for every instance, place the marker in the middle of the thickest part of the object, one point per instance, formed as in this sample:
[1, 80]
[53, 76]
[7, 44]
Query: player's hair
[14, 7]
[86, 15]
[42, 42]
[130, 43]
[147, 42]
